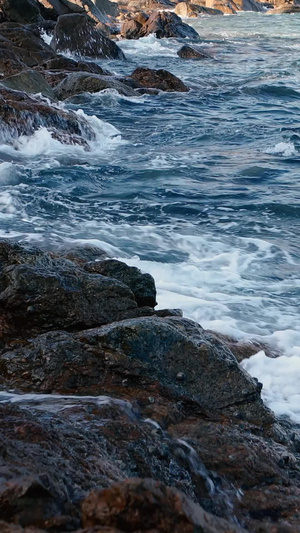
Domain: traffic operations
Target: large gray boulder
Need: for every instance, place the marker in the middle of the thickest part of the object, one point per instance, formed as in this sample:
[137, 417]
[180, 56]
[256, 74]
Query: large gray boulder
[77, 34]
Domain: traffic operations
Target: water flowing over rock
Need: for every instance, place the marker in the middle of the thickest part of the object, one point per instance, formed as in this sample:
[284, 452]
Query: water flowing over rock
[78, 35]
[82, 82]
[21, 114]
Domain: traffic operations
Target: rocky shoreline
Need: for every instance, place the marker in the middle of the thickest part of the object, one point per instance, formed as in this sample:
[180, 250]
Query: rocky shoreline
[117, 417]
[110, 402]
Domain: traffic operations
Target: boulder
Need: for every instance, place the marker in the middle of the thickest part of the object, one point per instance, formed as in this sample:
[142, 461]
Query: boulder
[61, 295]
[189, 10]
[81, 82]
[193, 52]
[25, 43]
[10, 63]
[22, 11]
[232, 6]
[131, 29]
[173, 351]
[167, 24]
[31, 82]
[21, 114]
[78, 35]
[158, 79]
[226, 6]
[148, 505]
[142, 285]
[285, 9]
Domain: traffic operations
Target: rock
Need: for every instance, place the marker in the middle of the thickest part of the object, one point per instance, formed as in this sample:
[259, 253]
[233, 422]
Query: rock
[62, 63]
[158, 79]
[21, 114]
[167, 24]
[61, 295]
[226, 6]
[31, 82]
[192, 52]
[77, 34]
[285, 9]
[232, 6]
[142, 285]
[25, 43]
[57, 69]
[131, 29]
[147, 505]
[19, 11]
[190, 10]
[150, 348]
[81, 82]
[12, 528]
[149, 5]
[10, 63]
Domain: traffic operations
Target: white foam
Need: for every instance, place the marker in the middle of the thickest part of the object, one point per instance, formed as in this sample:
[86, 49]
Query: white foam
[286, 149]
[42, 149]
[149, 46]
[46, 37]
[281, 381]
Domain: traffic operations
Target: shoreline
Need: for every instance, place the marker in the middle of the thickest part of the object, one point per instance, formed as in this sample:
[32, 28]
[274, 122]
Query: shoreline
[116, 416]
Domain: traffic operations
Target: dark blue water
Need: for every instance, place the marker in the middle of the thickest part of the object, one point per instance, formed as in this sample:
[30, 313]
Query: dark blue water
[201, 189]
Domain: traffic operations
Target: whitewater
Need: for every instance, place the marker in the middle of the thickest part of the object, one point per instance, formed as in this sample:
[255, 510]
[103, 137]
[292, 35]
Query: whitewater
[200, 189]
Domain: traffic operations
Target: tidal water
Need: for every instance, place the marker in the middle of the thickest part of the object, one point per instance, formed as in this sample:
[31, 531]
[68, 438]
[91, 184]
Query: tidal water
[201, 189]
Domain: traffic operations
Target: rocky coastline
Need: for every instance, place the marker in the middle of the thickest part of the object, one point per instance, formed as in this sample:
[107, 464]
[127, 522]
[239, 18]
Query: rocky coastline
[117, 417]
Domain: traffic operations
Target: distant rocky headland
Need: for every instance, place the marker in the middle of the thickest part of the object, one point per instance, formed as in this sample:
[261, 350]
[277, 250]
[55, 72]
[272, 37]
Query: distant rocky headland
[117, 417]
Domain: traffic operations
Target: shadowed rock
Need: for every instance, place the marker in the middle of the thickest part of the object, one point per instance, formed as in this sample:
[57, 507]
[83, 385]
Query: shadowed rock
[19, 11]
[192, 52]
[78, 35]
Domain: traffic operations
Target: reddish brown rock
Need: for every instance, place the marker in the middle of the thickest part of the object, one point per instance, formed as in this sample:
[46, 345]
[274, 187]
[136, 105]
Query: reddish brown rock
[145, 505]
[158, 79]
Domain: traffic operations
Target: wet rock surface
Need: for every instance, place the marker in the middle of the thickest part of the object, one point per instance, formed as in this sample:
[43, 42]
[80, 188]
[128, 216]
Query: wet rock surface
[163, 24]
[158, 79]
[193, 52]
[21, 114]
[78, 35]
[82, 82]
[154, 397]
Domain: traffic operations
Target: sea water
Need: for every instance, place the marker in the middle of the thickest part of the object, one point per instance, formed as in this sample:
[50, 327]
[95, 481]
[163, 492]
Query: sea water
[201, 189]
